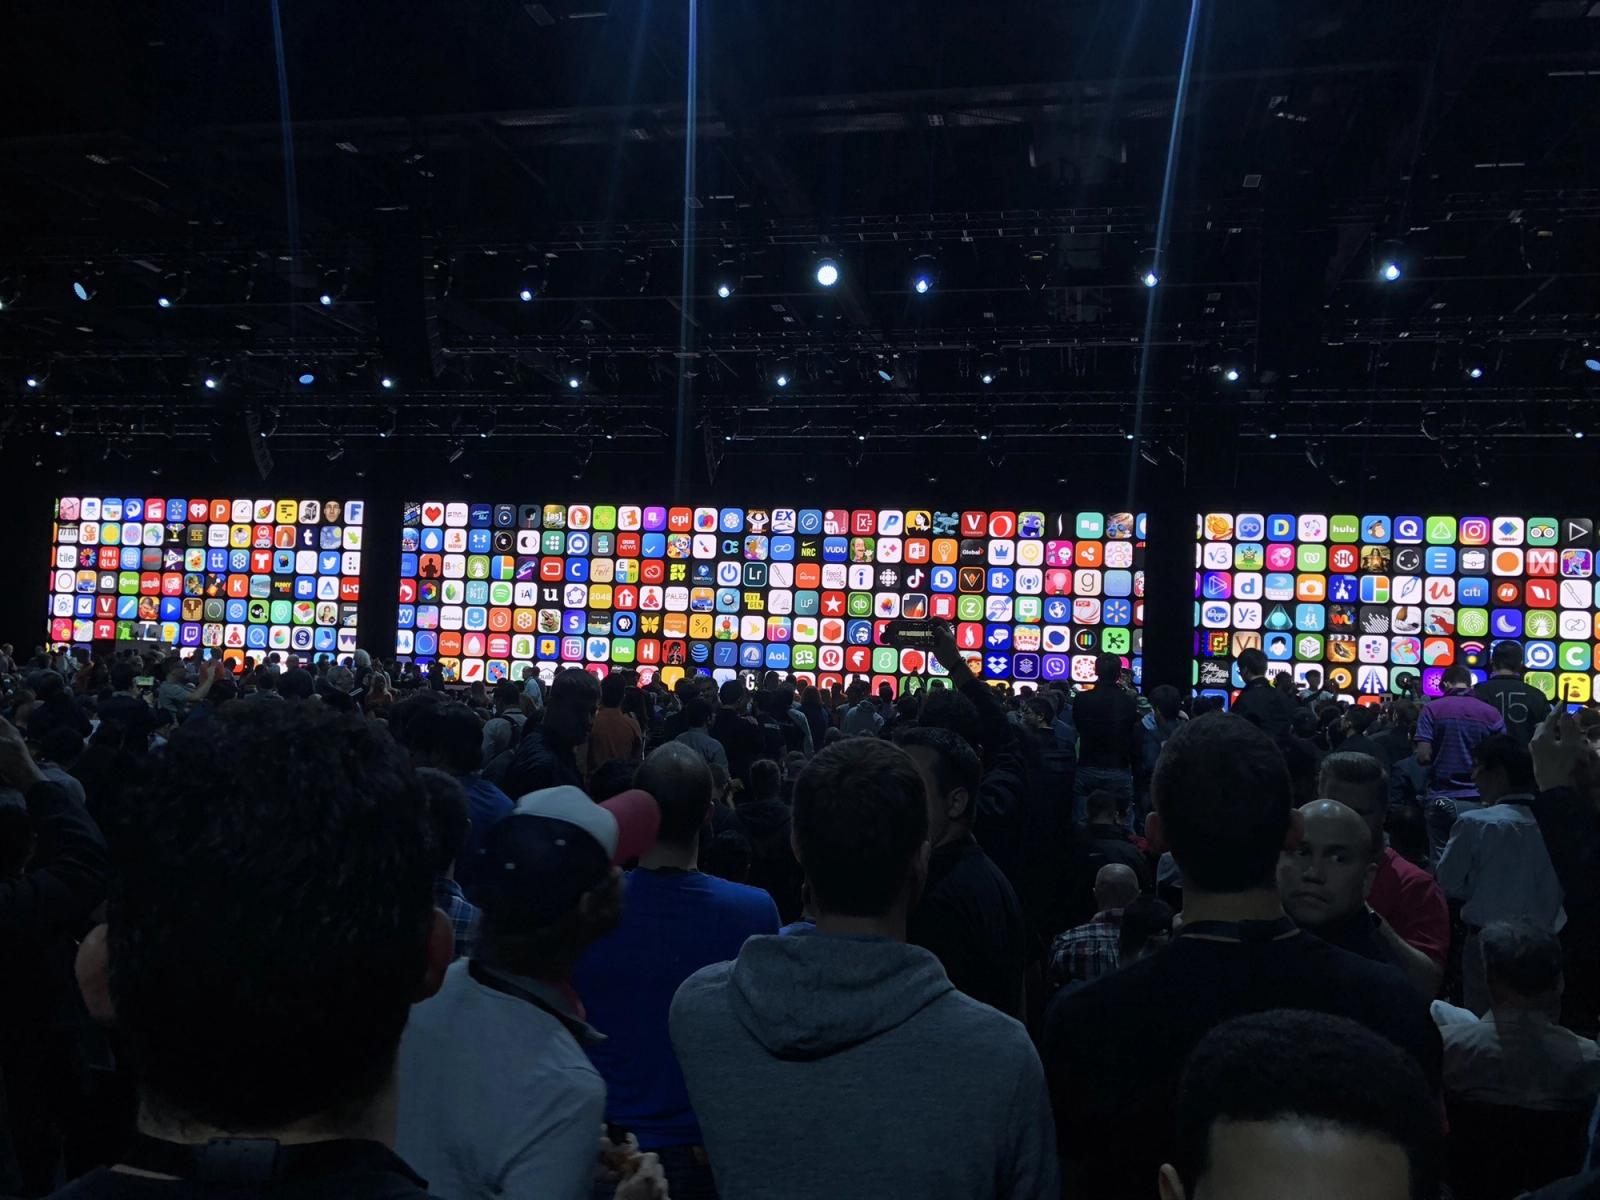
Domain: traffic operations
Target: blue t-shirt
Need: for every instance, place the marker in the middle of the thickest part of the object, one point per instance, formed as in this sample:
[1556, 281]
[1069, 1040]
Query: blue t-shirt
[486, 804]
[673, 923]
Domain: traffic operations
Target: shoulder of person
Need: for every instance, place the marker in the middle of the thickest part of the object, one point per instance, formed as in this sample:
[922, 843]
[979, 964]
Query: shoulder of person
[699, 995]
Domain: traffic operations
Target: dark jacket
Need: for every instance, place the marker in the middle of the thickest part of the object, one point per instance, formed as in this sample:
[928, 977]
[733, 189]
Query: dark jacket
[1099, 846]
[541, 762]
[970, 918]
[1107, 720]
[765, 825]
[1264, 705]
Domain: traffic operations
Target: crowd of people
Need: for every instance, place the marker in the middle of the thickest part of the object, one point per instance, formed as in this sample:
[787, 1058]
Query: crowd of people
[337, 928]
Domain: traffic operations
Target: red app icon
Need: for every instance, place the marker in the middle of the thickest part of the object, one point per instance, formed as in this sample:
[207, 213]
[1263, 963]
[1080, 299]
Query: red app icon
[916, 550]
[941, 606]
[261, 535]
[1541, 562]
[109, 558]
[833, 604]
[969, 635]
[1506, 592]
[863, 521]
[625, 597]
[628, 545]
[551, 570]
[858, 658]
[836, 521]
[1002, 524]
[1541, 593]
[973, 524]
[877, 632]
[652, 571]
[199, 510]
[408, 591]
[105, 606]
[1342, 559]
[499, 645]
[105, 630]
[171, 584]
[261, 562]
[150, 583]
[350, 588]
[649, 650]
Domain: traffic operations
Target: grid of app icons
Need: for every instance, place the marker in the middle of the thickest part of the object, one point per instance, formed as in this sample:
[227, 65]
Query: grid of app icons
[1374, 601]
[234, 577]
[490, 591]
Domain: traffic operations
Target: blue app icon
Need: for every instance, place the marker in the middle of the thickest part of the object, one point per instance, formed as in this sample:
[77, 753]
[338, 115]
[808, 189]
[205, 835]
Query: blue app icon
[479, 541]
[1375, 530]
[177, 510]
[1025, 666]
[997, 637]
[653, 545]
[727, 600]
[325, 638]
[1408, 530]
[578, 542]
[808, 520]
[1001, 579]
[778, 656]
[574, 620]
[725, 654]
[858, 633]
[1342, 589]
[1505, 623]
[236, 612]
[305, 587]
[996, 666]
[406, 616]
[171, 608]
[1249, 527]
[238, 560]
[731, 520]
[1058, 611]
[1310, 617]
[127, 608]
[942, 579]
[577, 570]
[427, 642]
[1472, 591]
[216, 560]
[1439, 560]
[255, 637]
[432, 541]
[835, 549]
[782, 548]
[750, 654]
[699, 652]
[1112, 612]
[1217, 585]
[133, 509]
[1539, 656]
[408, 565]
[130, 558]
[1280, 527]
[625, 624]
[1278, 646]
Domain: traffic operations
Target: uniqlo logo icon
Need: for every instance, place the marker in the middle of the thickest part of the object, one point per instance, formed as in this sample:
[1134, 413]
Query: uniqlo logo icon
[973, 524]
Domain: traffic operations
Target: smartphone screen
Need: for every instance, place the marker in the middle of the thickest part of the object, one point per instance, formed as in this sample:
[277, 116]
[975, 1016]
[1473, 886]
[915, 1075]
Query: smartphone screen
[144, 681]
[903, 632]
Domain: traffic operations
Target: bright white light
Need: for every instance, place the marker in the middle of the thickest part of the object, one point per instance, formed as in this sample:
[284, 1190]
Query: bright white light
[1150, 279]
[986, 378]
[724, 290]
[81, 289]
[1389, 272]
[861, 437]
[211, 383]
[885, 374]
[1272, 437]
[326, 300]
[922, 285]
[525, 295]
[33, 381]
[781, 379]
[1577, 433]
[1474, 372]
[307, 378]
[163, 302]
[574, 382]
[983, 437]
[827, 272]
[386, 383]
[1231, 374]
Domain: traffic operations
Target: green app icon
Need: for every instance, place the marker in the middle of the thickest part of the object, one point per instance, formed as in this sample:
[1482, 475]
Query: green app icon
[1343, 527]
[622, 650]
[282, 612]
[804, 658]
[1115, 640]
[859, 604]
[1575, 656]
[500, 593]
[128, 583]
[1472, 622]
[1441, 531]
[1091, 525]
[605, 517]
[1029, 610]
[1312, 557]
[1399, 676]
[1545, 681]
[969, 608]
[885, 660]
[1541, 623]
[1308, 647]
[553, 541]
[1542, 531]
[478, 566]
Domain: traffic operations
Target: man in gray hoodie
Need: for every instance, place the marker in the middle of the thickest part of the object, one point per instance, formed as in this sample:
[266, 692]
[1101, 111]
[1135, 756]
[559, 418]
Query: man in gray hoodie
[846, 1063]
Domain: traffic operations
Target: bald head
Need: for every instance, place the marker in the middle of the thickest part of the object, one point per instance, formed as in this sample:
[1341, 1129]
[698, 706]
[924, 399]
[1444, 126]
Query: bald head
[1327, 876]
[1115, 886]
[680, 781]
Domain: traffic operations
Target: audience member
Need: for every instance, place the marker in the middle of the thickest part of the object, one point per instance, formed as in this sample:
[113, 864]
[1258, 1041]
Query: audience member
[548, 756]
[1302, 1104]
[1325, 878]
[727, 856]
[1496, 862]
[1447, 730]
[763, 819]
[55, 754]
[1093, 949]
[1113, 1049]
[269, 927]
[614, 734]
[739, 735]
[1357, 721]
[1104, 840]
[1107, 720]
[803, 1042]
[504, 730]
[696, 717]
[968, 915]
[125, 708]
[1522, 707]
[862, 718]
[1146, 927]
[1565, 767]
[1258, 702]
[496, 1095]
[675, 920]
[448, 812]
[1414, 919]
[449, 738]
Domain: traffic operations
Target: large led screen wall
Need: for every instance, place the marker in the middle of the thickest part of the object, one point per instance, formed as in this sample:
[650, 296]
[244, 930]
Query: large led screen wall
[1373, 601]
[489, 591]
[235, 577]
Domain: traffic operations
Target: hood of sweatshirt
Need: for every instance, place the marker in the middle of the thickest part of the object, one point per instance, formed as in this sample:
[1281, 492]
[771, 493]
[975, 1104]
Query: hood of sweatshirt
[809, 997]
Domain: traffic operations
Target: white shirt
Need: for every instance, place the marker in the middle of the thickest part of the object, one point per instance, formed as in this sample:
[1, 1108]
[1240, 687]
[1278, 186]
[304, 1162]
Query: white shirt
[1523, 1059]
[1497, 863]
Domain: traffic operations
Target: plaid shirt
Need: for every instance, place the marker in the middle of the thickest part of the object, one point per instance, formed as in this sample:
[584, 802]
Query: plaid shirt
[1088, 951]
[449, 899]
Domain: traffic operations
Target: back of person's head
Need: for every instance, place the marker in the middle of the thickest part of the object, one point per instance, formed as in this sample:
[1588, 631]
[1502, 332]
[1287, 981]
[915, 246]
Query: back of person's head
[1360, 717]
[860, 826]
[947, 708]
[270, 918]
[61, 746]
[1456, 676]
[507, 694]
[450, 817]
[611, 778]
[955, 763]
[1103, 807]
[1521, 961]
[1358, 781]
[766, 779]
[696, 713]
[1224, 799]
[1506, 656]
[297, 684]
[1107, 668]
[223, 690]
[448, 736]
[47, 685]
[1501, 752]
[1273, 1103]
[1305, 724]
[727, 856]
[122, 676]
[1115, 886]
[612, 688]
[266, 681]
[1146, 927]
[1252, 663]
[1166, 700]
[732, 694]
[680, 780]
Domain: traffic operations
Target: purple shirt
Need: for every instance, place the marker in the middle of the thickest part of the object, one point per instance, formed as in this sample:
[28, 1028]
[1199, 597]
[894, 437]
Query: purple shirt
[1454, 724]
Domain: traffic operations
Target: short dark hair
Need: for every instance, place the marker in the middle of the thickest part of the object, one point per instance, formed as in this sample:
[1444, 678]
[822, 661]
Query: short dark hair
[122, 676]
[222, 690]
[1312, 1067]
[955, 762]
[447, 809]
[572, 686]
[1222, 789]
[1506, 656]
[1360, 716]
[1358, 770]
[1142, 919]
[680, 780]
[1107, 668]
[1166, 700]
[727, 856]
[1454, 675]
[732, 693]
[766, 779]
[611, 778]
[297, 684]
[506, 692]
[449, 733]
[947, 708]
[696, 712]
[612, 688]
[860, 816]
[1502, 752]
[1521, 956]
[1252, 662]
[269, 915]
[1103, 800]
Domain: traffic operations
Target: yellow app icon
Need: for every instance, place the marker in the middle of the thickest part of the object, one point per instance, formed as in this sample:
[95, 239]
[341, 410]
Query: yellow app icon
[1573, 688]
[700, 626]
[288, 510]
[599, 595]
[669, 676]
[239, 536]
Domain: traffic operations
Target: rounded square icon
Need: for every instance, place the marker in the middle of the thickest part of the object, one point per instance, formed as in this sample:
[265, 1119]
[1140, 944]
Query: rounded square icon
[1576, 688]
[1372, 648]
[1470, 531]
[1311, 558]
[1249, 527]
[1577, 563]
[1091, 525]
[1506, 561]
[1312, 527]
[1472, 622]
[1375, 528]
[1575, 625]
[1311, 587]
[1215, 556]
[1218, 527]
[1543, 531]
[1279, 586]
[1344, 527]
[1408, 531]
[1507, 531]
[1437, 531]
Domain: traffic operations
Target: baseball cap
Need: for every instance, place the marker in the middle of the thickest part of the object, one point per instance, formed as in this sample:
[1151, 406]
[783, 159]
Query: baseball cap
[556, 845]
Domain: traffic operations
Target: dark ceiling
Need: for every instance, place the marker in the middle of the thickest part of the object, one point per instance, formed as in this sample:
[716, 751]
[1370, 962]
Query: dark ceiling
[444, 156]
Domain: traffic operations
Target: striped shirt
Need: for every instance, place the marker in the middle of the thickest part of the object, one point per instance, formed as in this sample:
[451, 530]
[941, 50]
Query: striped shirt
[1453, 725]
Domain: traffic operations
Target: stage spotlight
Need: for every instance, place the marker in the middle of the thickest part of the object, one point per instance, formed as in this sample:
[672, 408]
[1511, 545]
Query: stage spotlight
[325, 299]
[724, 290]
[212, 383]
[34, 381]
[488, 423]
[884, 367]
[1150, 278]
[780, 378]
[577, 370]
[391, 419]
[83, 289]
[988, 369]
[1475, 371]
[1389, 271]
[1591, 358]
[526, 295]
[63, 424]
[386, 383]
[163, 301]
[782, 373]
[306, 378]
[827, 273]
[1231, 374]
[924, 274]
